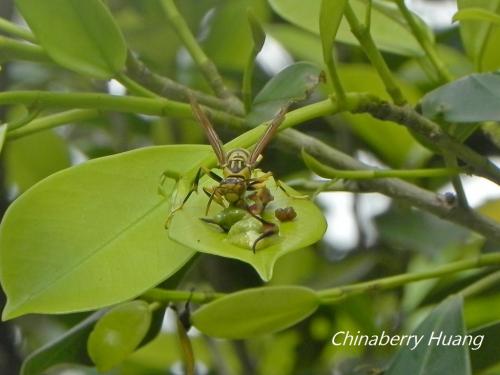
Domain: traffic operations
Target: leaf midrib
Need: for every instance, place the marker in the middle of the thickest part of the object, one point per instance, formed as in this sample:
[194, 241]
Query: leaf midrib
[87, 257]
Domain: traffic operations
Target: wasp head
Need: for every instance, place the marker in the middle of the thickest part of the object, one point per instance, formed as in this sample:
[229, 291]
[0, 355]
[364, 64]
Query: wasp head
[238, 164]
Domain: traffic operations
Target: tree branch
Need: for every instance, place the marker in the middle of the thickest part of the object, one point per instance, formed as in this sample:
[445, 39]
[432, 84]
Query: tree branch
[394, 188]
[362, 34]
[206, 66]
[11, 49]
[426, 44]
[431, 131]
[171, 89]
[333, 295]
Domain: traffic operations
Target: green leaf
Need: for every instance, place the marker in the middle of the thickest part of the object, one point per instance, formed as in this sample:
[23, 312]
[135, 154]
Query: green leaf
[492, 131]
[414, 70]
[229, 39]
[307, 228]
[3, 132]
[477, 14]
[428, 357]
[408, 229]
[118, 333]
[69, 348]
[301, 43]
[99, 223]
[258, 34]
[491, 209]
[32, 158]
[481, 39]
[486, 355]
[79, 35]
[385, 24]
[254, 312]
[293, 83]
[330, 15]
[259, 38]
[482, 309]
[473, 98]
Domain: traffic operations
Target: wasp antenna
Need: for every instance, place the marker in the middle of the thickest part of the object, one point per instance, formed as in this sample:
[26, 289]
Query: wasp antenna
[212, 136]
[268, 135]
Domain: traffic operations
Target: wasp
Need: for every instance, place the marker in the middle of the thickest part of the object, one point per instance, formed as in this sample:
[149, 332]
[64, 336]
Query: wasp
[238, 173]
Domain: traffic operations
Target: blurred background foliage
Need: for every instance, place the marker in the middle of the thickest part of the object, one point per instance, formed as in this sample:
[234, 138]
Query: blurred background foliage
[387, 237]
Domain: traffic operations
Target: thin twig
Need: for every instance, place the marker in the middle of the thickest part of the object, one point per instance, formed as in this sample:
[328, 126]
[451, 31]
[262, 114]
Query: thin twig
[206, 66]
[425, 42]
[171, 89]
[362, 33]
[394, 188]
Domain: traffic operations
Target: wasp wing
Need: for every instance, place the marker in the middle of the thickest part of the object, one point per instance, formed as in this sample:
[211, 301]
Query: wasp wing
[212, 136]
[268, 135]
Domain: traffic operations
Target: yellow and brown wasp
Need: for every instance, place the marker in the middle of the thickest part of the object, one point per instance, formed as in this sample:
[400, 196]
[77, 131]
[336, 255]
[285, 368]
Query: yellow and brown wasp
[239, 175]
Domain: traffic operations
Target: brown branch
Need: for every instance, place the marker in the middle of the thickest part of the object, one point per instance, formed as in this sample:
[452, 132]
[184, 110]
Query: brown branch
[431, 131]
[393, 187]
[171, 89]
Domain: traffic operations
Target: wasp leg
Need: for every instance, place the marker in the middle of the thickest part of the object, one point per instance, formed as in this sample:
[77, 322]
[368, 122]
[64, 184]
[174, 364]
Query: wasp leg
[194, 188]
[163, 178]
[269, 229]
[214, 195]
[257, 183]
[279, 184]
[214, 176]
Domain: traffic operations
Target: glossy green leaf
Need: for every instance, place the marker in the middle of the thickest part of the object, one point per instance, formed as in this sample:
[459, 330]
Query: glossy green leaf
[482, 309]
[118, 333]
[293, 83]
[473, 98]
[413, 230]
[330, 15]
[307, 228]
[491, 209]
[79, 35]
[404, 150]
[229, 39]
[492, 131]
[32, 158]
[386, 23]
[416, 70]
[258, 34]
[258, 38]
[301, 43]
[3, 132]
[69, 348]
[434, 359]
[99, 224]
[254, 312]
[477, 14]
[486, 355]
[481, 38]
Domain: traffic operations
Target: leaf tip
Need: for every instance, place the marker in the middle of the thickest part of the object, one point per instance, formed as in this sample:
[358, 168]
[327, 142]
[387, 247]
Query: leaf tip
[10, 312]
[265, 270]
